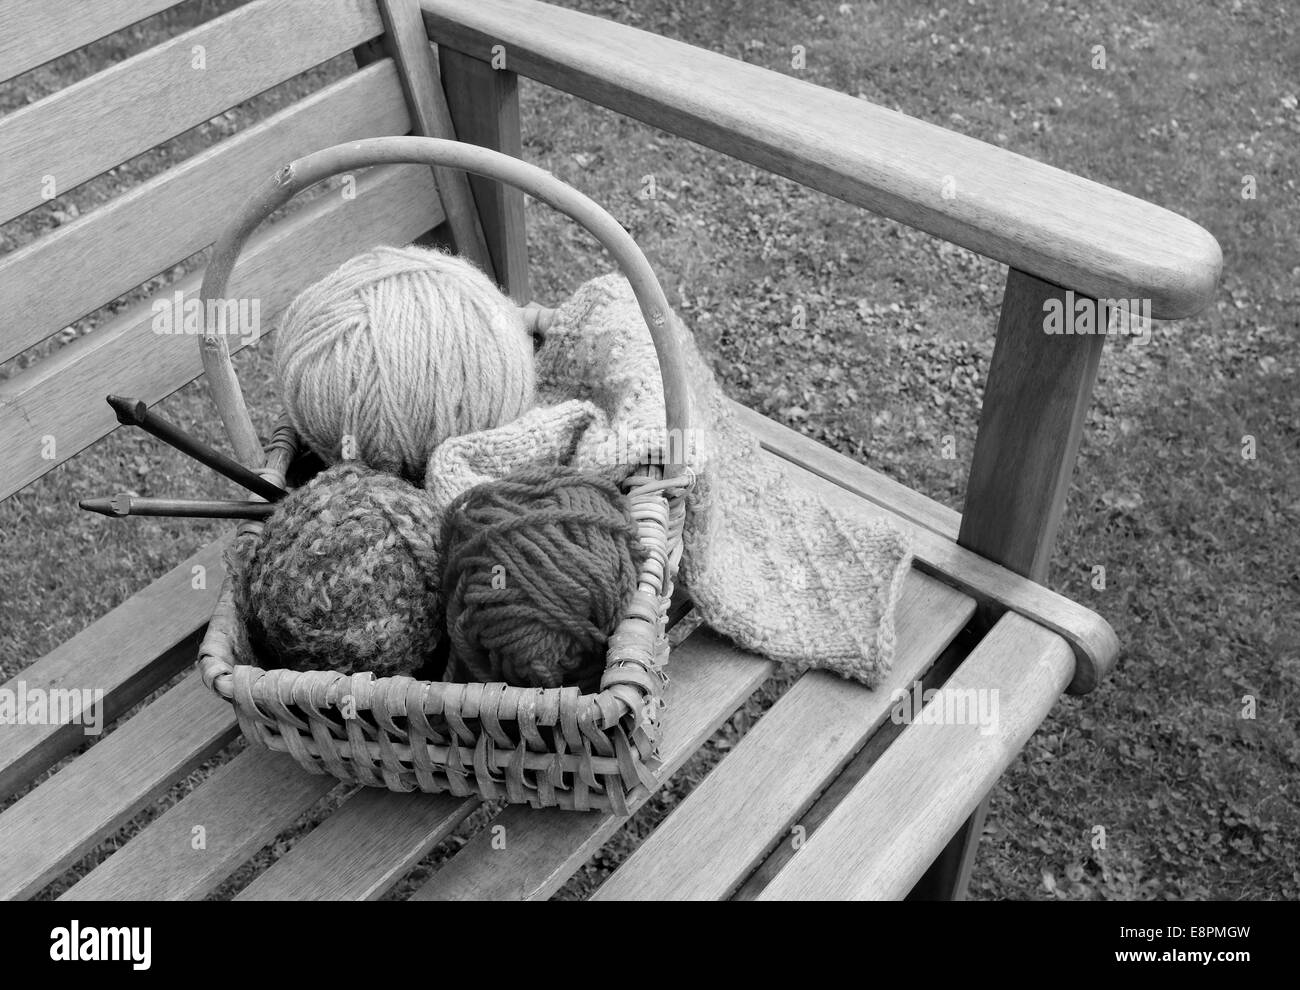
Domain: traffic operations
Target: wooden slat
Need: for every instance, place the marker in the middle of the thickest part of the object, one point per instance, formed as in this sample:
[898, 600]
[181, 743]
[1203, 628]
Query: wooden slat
[102, 254]
[127, 654]
[240, 808]
[856, 769]
[33, 33]
[1092, 638]
[716, 837]
[103, 120]
[393, 206]
[1031, 216]
[549, 851]
[51, 827]
[340, 861]
[883, 835]
[543, 848]
[362, 849]
[859, 479]
[1035, 406]
[484, 104]
[405, 40]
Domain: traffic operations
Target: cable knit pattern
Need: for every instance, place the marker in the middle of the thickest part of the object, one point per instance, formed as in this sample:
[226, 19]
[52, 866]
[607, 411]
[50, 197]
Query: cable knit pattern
[767, 563]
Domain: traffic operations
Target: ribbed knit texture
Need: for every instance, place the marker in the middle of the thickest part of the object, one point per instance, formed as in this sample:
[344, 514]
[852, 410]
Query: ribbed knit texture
[537, 568]
[768, 564]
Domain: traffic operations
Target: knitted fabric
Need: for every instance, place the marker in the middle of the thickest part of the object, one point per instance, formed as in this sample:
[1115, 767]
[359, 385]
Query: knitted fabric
[537, 568]
[767, 563]
[343, 576]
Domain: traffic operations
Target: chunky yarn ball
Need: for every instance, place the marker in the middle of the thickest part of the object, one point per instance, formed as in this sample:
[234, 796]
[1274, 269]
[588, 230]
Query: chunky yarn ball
[397, 350]
[343, 576]
[537, 568]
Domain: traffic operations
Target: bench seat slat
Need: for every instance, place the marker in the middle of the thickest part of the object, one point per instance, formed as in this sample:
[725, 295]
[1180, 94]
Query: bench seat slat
[550, 850]
[881, 838]
[362, 849]
[396, 205]
[127, 653]
[344, 866]
[241, 807]
[108, 251]
[101, 121]
[710, 679]
[712, 841]
[48, 829]
[32, 34]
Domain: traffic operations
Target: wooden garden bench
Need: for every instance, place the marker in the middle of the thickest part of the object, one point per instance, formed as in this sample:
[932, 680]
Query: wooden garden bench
[885, 809]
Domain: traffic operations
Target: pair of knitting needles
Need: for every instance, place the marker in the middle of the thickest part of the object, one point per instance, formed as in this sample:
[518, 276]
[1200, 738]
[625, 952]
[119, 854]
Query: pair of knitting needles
[134, 412]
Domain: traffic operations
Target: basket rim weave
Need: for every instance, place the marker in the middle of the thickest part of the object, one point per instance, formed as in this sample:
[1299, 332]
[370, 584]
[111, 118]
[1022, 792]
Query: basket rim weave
[218, 653]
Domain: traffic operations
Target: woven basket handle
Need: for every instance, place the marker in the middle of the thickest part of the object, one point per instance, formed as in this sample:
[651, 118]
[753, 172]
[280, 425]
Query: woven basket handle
[291, 179]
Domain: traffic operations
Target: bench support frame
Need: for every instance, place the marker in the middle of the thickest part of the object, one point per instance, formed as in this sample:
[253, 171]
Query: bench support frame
[1035, 405]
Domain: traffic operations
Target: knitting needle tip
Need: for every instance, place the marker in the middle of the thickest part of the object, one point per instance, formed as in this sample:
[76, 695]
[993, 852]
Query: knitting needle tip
[117, 505]
[130, 412]
[134, 412]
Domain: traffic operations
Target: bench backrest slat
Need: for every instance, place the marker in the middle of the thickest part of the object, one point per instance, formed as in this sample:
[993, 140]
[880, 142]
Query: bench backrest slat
[52, 409]
[99, 256]
[32, 34]
[55, 398]
[102, 121]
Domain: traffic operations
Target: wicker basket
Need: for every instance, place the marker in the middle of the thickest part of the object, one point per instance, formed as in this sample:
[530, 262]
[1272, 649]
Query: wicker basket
[548, 747]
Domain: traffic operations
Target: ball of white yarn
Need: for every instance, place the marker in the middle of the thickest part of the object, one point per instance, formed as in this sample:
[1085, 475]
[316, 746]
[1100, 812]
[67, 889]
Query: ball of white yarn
[397, 350]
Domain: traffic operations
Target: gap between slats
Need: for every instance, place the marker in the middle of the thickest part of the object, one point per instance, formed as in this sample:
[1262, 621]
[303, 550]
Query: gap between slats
[188, 851]
[32, 34]
[395, 204]
[50, 828]
[882, 836]
[710, 679]
[100, 122]
[127, 654]
[857, 768]
[109, 251]
[338, 859]
[716, 837]
[363, 849]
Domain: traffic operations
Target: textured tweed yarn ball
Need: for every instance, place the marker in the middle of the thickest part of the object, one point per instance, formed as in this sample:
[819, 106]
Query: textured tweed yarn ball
[537, 568]
[343, 576]
[397, 350]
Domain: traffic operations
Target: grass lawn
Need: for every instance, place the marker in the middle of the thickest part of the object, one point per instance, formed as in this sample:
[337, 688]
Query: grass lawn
[1155, 786]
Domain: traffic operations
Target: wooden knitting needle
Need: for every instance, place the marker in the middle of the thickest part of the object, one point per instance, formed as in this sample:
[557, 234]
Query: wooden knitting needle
[133, 412]
[123, 504]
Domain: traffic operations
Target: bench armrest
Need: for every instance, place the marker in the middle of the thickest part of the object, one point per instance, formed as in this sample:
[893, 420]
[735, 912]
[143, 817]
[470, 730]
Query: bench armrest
[1062, 228]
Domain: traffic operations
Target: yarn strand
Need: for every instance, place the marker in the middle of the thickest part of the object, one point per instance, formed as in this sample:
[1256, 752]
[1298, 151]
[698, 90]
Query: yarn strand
[399, 349]
[537, 569]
